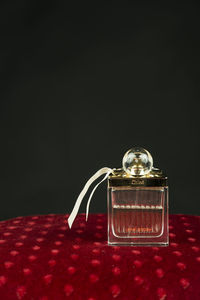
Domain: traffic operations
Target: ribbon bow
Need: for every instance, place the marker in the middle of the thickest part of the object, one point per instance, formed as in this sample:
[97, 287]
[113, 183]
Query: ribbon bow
[74, 212]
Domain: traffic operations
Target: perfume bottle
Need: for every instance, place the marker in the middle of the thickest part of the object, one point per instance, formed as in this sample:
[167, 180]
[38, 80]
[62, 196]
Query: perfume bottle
[137, 202]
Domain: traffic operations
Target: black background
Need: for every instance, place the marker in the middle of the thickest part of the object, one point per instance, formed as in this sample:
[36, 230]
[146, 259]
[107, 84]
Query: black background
[81, 83]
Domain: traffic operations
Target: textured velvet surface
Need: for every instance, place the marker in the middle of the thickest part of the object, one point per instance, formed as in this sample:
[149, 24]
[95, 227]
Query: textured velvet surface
[41, 259]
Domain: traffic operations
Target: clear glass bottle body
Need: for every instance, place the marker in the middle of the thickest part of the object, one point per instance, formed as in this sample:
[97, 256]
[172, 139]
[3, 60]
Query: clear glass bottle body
[138, 215]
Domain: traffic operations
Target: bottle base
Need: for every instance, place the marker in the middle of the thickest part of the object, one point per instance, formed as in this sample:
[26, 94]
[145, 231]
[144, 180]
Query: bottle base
[160, 241]
[133, 244]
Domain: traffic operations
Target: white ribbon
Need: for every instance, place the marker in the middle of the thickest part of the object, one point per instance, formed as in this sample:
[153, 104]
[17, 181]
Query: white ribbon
[74, 212]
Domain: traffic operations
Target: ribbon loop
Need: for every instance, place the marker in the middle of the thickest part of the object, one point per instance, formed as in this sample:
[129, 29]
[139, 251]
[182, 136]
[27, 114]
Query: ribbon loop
[74, 212]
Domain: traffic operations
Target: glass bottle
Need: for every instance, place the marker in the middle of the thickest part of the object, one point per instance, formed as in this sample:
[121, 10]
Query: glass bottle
[138, 202]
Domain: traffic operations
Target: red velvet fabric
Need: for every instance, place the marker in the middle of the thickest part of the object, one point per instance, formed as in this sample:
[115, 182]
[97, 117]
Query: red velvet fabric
[41, 259]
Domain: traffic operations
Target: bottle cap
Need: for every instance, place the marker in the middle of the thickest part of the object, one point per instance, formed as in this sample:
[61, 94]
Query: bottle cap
[137, 170]
[137, 161]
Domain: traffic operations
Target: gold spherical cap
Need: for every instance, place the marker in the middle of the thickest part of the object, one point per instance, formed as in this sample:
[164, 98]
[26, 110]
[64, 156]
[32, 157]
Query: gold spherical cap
[137, 161]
